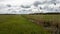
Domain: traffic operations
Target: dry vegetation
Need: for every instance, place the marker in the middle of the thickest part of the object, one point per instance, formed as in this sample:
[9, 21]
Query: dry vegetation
[50, 22]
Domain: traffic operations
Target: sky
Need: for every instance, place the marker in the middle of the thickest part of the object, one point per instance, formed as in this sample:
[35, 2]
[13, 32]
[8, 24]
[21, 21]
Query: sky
[47, 5]
[19, 2]
[16, 2]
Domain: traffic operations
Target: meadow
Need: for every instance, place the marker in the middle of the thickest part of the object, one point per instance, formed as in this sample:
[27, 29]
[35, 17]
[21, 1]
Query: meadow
[30, 24]
[17, 24]
[50, 22]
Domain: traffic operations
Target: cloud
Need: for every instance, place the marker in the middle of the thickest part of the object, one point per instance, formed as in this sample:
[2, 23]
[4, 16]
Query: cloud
[29, 6]
[16, 2]
[36, 3]
[2, 0]
[25, 6]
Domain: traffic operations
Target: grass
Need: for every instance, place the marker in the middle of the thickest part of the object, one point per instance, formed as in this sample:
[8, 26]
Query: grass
[16, 24]
[54, 18]
[50, 22]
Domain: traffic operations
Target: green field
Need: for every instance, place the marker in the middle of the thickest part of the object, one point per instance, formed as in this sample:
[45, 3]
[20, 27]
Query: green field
[17, 24]
[29, 24]
[50, 22]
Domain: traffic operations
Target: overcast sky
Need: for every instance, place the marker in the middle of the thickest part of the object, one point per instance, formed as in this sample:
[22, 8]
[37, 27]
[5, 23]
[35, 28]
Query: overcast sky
[47, 5]
[18, 2]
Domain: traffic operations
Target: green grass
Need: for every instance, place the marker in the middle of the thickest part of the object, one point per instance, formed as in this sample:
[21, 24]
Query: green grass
[16, 24]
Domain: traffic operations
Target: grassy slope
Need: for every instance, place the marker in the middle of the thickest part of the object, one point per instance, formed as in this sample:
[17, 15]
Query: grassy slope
[16, 24]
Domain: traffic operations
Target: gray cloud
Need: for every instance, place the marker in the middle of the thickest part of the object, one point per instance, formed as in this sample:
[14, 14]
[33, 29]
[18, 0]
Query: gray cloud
[8, 5]
[36, 3]
[2, 0]
[51, 2]
[25, 6]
